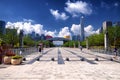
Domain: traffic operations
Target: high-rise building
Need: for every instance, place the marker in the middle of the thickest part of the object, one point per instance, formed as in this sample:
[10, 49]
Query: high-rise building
[2, 27]
[117, 24]
[82, 35]
[32, 35]
[101, 30]
[43, 37]
[76, 37]
[106, 24]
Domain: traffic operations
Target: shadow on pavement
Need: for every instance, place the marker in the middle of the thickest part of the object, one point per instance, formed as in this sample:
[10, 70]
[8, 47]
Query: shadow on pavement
[89, 61]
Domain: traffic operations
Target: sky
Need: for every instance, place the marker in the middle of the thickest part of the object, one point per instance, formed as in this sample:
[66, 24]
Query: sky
[58, 17]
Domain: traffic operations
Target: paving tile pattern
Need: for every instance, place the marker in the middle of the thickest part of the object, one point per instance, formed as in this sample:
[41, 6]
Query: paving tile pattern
[45, 69]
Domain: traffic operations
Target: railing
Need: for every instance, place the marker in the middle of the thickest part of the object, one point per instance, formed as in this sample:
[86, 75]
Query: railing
[110, 52]
[25, 51]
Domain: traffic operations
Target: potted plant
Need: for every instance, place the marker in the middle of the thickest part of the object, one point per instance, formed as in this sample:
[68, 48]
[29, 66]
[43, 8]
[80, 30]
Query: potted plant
[17, 59]
[8, 56]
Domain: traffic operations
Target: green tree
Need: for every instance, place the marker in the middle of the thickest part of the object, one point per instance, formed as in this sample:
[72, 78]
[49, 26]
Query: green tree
[11, 37]
[27, 41]
[114, 35]
[96, 40]
[46, 43]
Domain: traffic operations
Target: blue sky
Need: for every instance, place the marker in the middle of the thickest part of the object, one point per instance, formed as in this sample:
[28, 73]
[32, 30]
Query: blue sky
[58, 16]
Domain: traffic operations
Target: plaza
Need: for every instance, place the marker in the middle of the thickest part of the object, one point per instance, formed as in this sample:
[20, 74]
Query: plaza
[60, 69]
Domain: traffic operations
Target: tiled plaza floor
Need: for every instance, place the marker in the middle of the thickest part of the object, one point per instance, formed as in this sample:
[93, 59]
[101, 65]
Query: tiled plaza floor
[45, 69]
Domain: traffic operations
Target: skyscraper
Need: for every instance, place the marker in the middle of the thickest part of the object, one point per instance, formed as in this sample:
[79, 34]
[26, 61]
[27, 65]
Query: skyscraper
[76, 37]
[117, 23]
[2, 27]
[82, 35]
[43, 37]
[106, 24]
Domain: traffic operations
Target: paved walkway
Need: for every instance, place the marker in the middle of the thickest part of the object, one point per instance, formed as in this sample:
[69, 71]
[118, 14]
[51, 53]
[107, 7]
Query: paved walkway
[46, 69]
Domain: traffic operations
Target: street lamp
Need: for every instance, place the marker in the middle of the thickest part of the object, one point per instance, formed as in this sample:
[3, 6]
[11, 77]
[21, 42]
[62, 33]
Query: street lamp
[106, 44]
[87, 44]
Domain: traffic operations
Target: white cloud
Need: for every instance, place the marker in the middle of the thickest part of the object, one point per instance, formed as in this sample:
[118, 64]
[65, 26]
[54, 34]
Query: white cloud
[78, 7]
[28, 27]
[51, 33]
[64, 32]
[97, 31]
[89, 30]
[57, 15]
[75, 29]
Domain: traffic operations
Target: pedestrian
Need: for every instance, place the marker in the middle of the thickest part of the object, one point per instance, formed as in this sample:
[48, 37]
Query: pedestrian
[115, 50]
[40, 48]
[81, 48]
[1, 54]
[20, 52]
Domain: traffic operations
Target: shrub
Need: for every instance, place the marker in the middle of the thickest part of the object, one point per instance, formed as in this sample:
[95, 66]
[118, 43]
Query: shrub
[16, 57]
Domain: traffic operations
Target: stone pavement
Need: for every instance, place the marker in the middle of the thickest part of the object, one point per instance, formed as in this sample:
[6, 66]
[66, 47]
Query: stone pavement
[45, 69]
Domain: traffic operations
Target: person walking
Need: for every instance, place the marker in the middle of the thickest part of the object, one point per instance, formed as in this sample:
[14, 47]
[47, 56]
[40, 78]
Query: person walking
[1, 54]
[115, 51]
[81, 48]
[40, 48]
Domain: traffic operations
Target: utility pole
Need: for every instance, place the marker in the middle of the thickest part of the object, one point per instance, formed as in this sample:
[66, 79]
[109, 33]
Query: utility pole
[87, 44]
[21, 38]
[106, 44]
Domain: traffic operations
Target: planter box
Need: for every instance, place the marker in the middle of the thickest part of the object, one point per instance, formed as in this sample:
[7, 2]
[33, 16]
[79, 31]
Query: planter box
[16, 61]
[7, 59]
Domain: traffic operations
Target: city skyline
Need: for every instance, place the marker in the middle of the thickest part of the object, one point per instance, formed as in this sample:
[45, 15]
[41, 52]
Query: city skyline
[59, 17]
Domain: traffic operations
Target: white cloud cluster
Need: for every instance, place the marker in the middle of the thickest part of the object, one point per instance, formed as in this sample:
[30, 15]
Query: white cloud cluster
[64, 32]
[28, 27]
[78, 7]
[51, 33]
[75, 29]
[57, 15]
[89, 30]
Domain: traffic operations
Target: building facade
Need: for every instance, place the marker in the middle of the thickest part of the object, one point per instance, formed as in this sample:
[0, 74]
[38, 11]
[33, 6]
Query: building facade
[43, 37]
[76, 37]
[2, 27]
[117, 24]
[82, 34]
[106, 24]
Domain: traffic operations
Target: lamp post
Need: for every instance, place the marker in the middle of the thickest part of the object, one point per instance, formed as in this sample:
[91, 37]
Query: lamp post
[106, 44]
[21, 38]
[87, 44]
